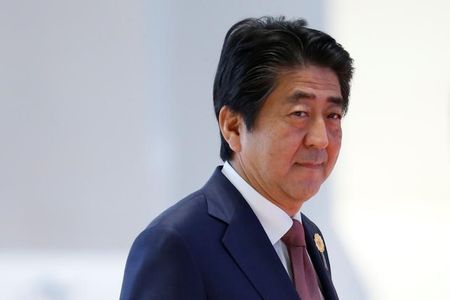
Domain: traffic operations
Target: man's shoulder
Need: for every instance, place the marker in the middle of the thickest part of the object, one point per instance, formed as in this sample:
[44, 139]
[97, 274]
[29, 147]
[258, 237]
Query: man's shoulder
[182, 213]
[202, 213]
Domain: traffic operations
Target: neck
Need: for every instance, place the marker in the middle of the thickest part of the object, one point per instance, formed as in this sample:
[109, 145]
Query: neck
[290, 206]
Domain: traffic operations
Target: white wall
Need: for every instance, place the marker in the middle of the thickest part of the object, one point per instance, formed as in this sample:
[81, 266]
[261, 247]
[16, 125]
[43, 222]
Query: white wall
[73, 121]
[393, 178]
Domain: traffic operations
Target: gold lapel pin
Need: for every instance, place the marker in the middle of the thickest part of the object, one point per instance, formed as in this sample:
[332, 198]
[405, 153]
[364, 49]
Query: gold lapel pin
[319, 242]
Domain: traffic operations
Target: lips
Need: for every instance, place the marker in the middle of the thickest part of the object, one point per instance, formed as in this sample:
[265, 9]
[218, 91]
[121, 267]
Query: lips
[313, 158]
[312, 165]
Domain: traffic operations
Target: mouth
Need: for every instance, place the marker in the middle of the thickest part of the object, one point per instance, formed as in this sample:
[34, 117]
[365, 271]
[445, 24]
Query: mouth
[312, 165]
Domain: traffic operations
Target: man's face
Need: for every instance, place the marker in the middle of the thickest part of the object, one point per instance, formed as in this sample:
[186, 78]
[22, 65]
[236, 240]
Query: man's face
[295, 141]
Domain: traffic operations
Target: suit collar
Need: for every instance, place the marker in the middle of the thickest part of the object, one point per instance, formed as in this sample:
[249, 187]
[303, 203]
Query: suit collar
[246, 240]
[221, 196]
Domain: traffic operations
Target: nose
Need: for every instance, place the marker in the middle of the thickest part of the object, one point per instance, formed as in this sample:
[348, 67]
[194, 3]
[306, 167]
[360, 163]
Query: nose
[317, 134]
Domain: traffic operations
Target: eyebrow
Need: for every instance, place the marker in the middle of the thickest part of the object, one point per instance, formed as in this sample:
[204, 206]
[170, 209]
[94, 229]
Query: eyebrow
[297, 96]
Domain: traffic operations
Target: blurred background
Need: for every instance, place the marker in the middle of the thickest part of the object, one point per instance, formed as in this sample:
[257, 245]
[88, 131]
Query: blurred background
[106, 119]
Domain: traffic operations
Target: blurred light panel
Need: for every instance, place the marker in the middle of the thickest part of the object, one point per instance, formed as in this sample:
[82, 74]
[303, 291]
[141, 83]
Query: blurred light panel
[393, 182]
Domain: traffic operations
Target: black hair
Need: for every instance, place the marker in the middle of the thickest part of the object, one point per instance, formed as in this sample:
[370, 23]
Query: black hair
[254, 53]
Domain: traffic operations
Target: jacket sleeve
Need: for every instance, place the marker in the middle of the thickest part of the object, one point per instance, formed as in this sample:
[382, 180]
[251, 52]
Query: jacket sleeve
[160, 267]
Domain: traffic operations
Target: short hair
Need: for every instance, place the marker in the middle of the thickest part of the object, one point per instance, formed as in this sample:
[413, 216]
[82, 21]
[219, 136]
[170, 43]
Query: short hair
[256, 50]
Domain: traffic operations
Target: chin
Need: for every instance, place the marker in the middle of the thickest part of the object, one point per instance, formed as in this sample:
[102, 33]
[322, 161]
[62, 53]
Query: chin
[308, 192]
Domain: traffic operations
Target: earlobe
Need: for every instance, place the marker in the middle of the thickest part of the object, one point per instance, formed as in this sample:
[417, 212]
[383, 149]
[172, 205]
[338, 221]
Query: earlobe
[229, 123]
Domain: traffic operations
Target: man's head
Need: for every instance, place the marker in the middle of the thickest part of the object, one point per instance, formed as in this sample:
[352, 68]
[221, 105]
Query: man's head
[279, 93]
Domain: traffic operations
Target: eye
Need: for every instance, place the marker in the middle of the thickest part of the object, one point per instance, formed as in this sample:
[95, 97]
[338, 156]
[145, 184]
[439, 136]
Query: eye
[335, 116]
[299, 114]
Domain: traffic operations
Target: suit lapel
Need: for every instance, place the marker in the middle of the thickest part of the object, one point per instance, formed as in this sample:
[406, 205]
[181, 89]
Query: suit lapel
[246, 241]
[319, 260]
[248, 244]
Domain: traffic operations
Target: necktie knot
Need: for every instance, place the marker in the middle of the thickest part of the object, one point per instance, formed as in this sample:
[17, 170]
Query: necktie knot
[295, 236]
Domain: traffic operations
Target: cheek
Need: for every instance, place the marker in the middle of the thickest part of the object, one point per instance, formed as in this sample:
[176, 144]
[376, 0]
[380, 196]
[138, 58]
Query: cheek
[289, 147]
[281, 147]
[335, 130]
[334, 143]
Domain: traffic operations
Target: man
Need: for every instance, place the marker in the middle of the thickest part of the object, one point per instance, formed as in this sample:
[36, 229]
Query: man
[280, 92]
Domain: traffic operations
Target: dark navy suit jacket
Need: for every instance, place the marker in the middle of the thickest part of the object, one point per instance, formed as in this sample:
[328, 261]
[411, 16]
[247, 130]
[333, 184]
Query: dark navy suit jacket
[211, 245]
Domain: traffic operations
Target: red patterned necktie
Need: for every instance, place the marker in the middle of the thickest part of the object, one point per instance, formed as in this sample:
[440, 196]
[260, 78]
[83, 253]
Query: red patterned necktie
[303, 273]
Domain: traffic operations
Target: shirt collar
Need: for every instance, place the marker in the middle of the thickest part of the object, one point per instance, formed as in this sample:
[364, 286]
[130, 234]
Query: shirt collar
[273, 219]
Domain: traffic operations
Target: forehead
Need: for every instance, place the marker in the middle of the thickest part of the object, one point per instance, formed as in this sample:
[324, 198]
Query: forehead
[307, 82]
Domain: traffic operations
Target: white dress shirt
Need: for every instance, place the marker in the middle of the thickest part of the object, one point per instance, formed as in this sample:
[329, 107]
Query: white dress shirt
[273, 219]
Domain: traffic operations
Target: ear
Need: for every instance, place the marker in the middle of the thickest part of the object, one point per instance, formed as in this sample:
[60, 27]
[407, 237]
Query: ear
[230, 124]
